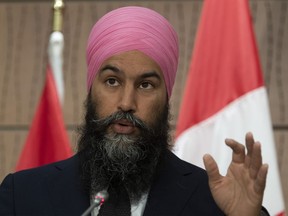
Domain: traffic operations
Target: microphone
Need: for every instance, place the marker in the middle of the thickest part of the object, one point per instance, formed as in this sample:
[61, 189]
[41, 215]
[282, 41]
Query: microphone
[99, 199]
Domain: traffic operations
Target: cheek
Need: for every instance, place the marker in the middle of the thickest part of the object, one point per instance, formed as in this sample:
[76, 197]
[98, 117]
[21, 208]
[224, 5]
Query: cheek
[105, 105]
[153, 109]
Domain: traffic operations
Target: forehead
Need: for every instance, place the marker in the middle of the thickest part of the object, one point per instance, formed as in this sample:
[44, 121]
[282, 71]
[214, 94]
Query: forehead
[133, 61]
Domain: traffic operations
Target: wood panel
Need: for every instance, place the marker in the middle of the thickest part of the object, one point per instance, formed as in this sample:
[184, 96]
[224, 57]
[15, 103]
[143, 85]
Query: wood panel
[281, 137]
[25, 28]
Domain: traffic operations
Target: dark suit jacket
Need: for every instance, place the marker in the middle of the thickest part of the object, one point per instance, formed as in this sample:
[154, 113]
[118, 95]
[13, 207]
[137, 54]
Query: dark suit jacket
[179, 189]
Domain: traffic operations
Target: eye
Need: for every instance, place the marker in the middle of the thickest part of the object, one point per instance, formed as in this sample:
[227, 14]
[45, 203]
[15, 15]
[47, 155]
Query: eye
[146, 85]
[112, 82]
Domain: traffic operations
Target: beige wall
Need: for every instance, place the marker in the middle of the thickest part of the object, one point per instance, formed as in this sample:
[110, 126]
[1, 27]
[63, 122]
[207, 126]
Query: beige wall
[24, 31]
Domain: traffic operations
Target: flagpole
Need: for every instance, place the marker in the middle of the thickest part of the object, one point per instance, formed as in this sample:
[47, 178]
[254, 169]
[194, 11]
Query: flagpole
[56, 47]
[58, 8]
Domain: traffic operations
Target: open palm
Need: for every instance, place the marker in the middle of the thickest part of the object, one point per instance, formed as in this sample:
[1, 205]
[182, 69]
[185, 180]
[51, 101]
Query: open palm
[241, 191]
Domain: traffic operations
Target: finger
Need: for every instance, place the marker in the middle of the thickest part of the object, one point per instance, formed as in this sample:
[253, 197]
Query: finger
[238, 155]
[256, 160]
[211, 168]
[249, 140]
[261, 179]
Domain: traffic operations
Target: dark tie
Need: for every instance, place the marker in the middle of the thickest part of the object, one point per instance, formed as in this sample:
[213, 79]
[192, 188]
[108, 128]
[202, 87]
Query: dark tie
[118, 204]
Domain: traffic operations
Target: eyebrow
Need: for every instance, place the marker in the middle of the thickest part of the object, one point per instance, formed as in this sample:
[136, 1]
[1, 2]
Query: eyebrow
[143, 76]
[110, 67]
[151, 74]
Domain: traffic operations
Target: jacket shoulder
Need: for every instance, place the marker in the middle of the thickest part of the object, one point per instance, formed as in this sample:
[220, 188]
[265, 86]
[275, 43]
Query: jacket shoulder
[47, 190]
[47, 170]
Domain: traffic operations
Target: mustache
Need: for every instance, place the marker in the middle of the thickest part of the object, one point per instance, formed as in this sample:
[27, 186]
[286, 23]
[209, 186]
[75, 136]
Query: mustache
[119, 115]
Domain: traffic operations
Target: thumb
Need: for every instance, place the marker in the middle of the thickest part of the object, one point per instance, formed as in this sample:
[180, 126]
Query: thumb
[211, 168]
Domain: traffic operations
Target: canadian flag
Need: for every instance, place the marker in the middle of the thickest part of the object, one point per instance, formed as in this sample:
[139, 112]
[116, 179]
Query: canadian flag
[47, 140]
[225, 96]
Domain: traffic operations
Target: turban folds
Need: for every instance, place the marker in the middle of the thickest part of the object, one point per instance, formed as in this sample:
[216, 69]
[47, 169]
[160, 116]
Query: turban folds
[133, 28]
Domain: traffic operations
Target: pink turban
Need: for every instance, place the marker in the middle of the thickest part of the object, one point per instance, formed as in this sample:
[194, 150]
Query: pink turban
[133, 28]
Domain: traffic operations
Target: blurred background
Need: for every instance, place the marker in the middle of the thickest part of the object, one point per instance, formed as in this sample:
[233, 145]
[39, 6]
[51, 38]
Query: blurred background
[25, 27]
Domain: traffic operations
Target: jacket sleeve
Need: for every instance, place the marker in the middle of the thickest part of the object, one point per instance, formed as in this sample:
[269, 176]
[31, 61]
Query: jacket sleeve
[6, 196]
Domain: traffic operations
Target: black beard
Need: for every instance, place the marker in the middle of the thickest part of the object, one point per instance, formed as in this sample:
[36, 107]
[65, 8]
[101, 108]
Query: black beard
[115, 160]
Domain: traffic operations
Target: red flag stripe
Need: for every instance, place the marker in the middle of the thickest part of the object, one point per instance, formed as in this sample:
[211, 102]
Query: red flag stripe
[47, 140]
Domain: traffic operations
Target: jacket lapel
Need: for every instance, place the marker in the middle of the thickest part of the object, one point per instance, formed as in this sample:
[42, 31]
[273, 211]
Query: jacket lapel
[172, 188]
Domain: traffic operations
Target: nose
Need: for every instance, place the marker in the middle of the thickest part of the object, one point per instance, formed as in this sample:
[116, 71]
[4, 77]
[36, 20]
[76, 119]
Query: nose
[127, 101]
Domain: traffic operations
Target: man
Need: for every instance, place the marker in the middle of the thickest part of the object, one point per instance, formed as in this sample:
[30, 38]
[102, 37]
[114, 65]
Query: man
[132, 58]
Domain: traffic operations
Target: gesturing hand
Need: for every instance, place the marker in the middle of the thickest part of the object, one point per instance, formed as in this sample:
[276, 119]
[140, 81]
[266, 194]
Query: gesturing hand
[241, 191]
